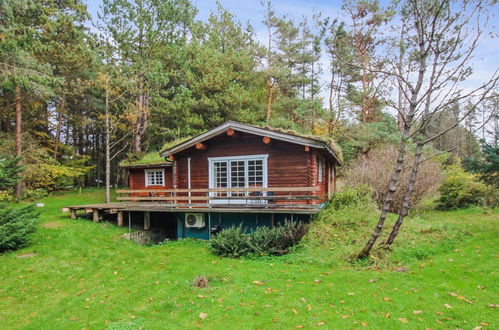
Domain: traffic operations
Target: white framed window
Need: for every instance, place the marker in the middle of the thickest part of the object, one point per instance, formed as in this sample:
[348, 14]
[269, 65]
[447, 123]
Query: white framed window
[236, 172]
[155, 177]
[320, 169]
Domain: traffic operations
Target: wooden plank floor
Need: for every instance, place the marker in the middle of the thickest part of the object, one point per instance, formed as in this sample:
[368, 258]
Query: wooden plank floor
[157, 207]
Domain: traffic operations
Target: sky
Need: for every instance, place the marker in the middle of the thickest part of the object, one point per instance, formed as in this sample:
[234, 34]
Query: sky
[250, 11]
[486, 59]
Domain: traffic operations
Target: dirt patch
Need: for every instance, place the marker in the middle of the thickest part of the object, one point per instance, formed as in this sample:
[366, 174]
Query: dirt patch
[26, 255]
[52, 225]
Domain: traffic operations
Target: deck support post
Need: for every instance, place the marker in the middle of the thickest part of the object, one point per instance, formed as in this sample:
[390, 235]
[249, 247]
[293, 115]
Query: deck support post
[95, 215]
[72, 214]
[272, 220]
[147, 220]
[120, 218]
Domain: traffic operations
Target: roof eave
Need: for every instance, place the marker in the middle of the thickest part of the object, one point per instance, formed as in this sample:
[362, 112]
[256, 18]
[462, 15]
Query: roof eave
[248, 129]
[132, 166]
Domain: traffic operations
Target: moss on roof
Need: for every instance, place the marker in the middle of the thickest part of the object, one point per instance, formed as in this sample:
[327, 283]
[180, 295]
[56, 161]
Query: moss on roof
[173, 143]
[149, 158]
[327, 139]
[330, 142]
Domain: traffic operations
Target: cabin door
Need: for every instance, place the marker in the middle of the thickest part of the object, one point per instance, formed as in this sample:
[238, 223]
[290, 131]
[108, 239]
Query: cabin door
[237, 172]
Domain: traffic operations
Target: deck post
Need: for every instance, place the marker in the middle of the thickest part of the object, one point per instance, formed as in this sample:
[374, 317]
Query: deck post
[272, 220]
[72, 214]
[120, 218]
[147, 220]
[95, 215]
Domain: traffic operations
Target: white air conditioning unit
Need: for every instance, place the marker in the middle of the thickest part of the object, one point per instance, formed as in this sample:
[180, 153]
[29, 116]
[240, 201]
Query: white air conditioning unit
[194, 220]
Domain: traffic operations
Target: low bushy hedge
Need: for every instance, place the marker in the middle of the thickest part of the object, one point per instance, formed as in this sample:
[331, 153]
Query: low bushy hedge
[233, 242]
[460, 189]
[17, 223]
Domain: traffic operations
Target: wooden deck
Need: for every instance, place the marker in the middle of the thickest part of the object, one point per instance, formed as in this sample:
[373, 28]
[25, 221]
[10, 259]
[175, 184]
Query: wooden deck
[166, 207]
[276, 200]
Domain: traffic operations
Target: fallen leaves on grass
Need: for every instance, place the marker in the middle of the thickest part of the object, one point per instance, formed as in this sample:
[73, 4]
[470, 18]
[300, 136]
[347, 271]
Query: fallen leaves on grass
[448, 306]
[460, 297]
[80, 292]
[202, 316]
[403, 320]
[258, 283]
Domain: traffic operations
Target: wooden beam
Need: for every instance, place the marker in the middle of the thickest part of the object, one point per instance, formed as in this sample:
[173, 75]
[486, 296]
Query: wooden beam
[205, 198]
[147, 220]
[200, 190]
[120, 218]
[266, 139]
[95, 215]
[201, 146]
[307, 148]
[171, 157]
[232, 132]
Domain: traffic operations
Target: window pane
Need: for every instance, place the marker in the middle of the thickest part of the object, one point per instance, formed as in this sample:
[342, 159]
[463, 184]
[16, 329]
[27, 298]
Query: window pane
[220, 176]
[255, 173]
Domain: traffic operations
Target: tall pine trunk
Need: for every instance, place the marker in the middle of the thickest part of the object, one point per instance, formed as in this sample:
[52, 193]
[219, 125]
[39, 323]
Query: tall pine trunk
[58, 130]
[269, 101]
[108, 147]
[19, 136]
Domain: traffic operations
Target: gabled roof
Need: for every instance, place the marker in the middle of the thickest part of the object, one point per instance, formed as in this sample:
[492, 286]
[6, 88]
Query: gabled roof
[240, 127]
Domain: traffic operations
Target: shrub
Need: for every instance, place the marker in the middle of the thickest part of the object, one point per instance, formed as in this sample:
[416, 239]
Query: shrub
[491, 198]
[34, 194]
[460, 190]
[263, 241]
[376, 171]
[231, 242]
[16, 226]
[290, 234]
[351, 196]
[52, 176]
[6, 196]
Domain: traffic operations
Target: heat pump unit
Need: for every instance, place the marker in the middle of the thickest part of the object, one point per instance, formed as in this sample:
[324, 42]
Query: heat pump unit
[194, 220]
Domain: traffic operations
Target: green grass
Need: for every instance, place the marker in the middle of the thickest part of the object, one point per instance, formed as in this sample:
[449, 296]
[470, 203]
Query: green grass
[85, 276]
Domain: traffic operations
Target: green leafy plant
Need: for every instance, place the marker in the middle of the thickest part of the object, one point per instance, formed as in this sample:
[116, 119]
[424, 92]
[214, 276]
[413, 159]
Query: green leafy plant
[231, 242]
[351, 196]
[16, 226]
[263, 241]
[290, 234]
[460, 190]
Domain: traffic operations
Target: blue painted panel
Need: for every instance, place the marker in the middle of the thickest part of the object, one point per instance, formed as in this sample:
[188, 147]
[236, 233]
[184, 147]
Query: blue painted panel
[249, 221]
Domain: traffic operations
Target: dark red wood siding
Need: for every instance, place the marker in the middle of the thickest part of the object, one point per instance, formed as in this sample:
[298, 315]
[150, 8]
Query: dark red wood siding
[137, 179]
[289, 165]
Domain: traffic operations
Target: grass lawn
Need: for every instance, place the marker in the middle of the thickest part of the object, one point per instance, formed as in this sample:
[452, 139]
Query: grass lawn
[80, 274]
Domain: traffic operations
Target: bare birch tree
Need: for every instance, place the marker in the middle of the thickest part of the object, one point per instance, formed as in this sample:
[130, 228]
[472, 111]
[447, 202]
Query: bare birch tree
[440, 40]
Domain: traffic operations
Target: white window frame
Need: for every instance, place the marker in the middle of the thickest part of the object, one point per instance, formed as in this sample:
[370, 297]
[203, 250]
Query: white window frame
[320, 169]
[147, 171]
[245, 158]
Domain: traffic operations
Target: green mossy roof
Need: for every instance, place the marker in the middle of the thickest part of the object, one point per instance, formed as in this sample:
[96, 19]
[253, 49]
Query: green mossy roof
[150, 158]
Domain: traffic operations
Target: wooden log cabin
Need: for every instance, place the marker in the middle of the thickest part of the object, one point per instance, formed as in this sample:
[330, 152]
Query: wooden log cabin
[232, 174]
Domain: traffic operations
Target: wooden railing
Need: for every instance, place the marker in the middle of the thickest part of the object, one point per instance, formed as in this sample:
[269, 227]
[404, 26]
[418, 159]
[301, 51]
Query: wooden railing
[256, 197]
